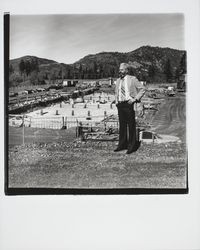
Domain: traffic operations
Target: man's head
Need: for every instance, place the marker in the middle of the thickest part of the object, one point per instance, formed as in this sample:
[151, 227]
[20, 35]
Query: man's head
[123, 70]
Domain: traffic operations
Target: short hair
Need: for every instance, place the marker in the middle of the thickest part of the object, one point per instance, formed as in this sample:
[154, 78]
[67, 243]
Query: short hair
[125, 65]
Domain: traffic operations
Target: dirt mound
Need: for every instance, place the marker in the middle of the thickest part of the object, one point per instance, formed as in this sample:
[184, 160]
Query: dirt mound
[171, 118]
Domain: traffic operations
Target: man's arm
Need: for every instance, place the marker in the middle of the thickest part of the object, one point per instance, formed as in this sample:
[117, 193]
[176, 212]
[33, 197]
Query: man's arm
[141, 89]
[136, 96]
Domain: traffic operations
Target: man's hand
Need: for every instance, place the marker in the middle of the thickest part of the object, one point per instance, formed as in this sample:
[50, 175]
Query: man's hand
[131, 100]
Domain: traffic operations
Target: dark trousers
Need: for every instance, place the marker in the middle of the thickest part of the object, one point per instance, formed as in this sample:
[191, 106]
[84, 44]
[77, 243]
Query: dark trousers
[127, 126]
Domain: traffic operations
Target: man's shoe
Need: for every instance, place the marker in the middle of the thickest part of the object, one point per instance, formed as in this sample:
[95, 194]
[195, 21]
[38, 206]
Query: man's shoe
[131, 151]
[119, 149]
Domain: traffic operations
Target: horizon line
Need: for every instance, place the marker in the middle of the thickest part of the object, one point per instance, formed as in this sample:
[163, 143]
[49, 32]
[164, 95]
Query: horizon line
[96, 54]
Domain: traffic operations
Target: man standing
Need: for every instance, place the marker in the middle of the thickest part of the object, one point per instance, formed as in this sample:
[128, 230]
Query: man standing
[127, 92]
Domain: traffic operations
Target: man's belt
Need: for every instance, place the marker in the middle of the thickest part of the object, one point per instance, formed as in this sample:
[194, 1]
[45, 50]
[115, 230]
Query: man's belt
[123, 102]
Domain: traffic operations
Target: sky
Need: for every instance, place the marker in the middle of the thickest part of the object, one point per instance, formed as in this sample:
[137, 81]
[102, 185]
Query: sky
[68, 38]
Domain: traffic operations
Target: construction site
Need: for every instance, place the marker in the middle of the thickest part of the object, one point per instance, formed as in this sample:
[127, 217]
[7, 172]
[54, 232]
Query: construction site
[91, 112]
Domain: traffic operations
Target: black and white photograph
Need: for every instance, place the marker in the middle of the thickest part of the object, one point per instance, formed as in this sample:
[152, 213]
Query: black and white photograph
[97, 102]
[99, 125]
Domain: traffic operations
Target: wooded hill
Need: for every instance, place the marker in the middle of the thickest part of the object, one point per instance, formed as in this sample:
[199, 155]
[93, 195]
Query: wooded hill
[151, 64]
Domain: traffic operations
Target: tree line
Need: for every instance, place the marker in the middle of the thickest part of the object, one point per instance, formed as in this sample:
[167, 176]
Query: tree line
[30, 72]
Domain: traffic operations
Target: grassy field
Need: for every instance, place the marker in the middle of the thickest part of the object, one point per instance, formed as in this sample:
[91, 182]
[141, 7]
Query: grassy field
[95, 165]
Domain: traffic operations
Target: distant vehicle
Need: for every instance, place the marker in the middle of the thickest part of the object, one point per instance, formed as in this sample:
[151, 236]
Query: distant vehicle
[170, 88]
[171, 93]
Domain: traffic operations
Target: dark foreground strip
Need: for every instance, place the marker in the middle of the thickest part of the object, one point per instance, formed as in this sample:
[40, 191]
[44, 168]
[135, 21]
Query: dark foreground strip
[81, 191]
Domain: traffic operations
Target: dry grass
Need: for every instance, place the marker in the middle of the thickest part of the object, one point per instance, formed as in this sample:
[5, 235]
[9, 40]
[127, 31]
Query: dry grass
[95, 165]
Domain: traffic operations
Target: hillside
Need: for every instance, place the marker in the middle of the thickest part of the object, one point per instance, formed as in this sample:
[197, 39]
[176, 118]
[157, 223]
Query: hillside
[145, 55]
[142, 61]
[152, 64]
[41, 61]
